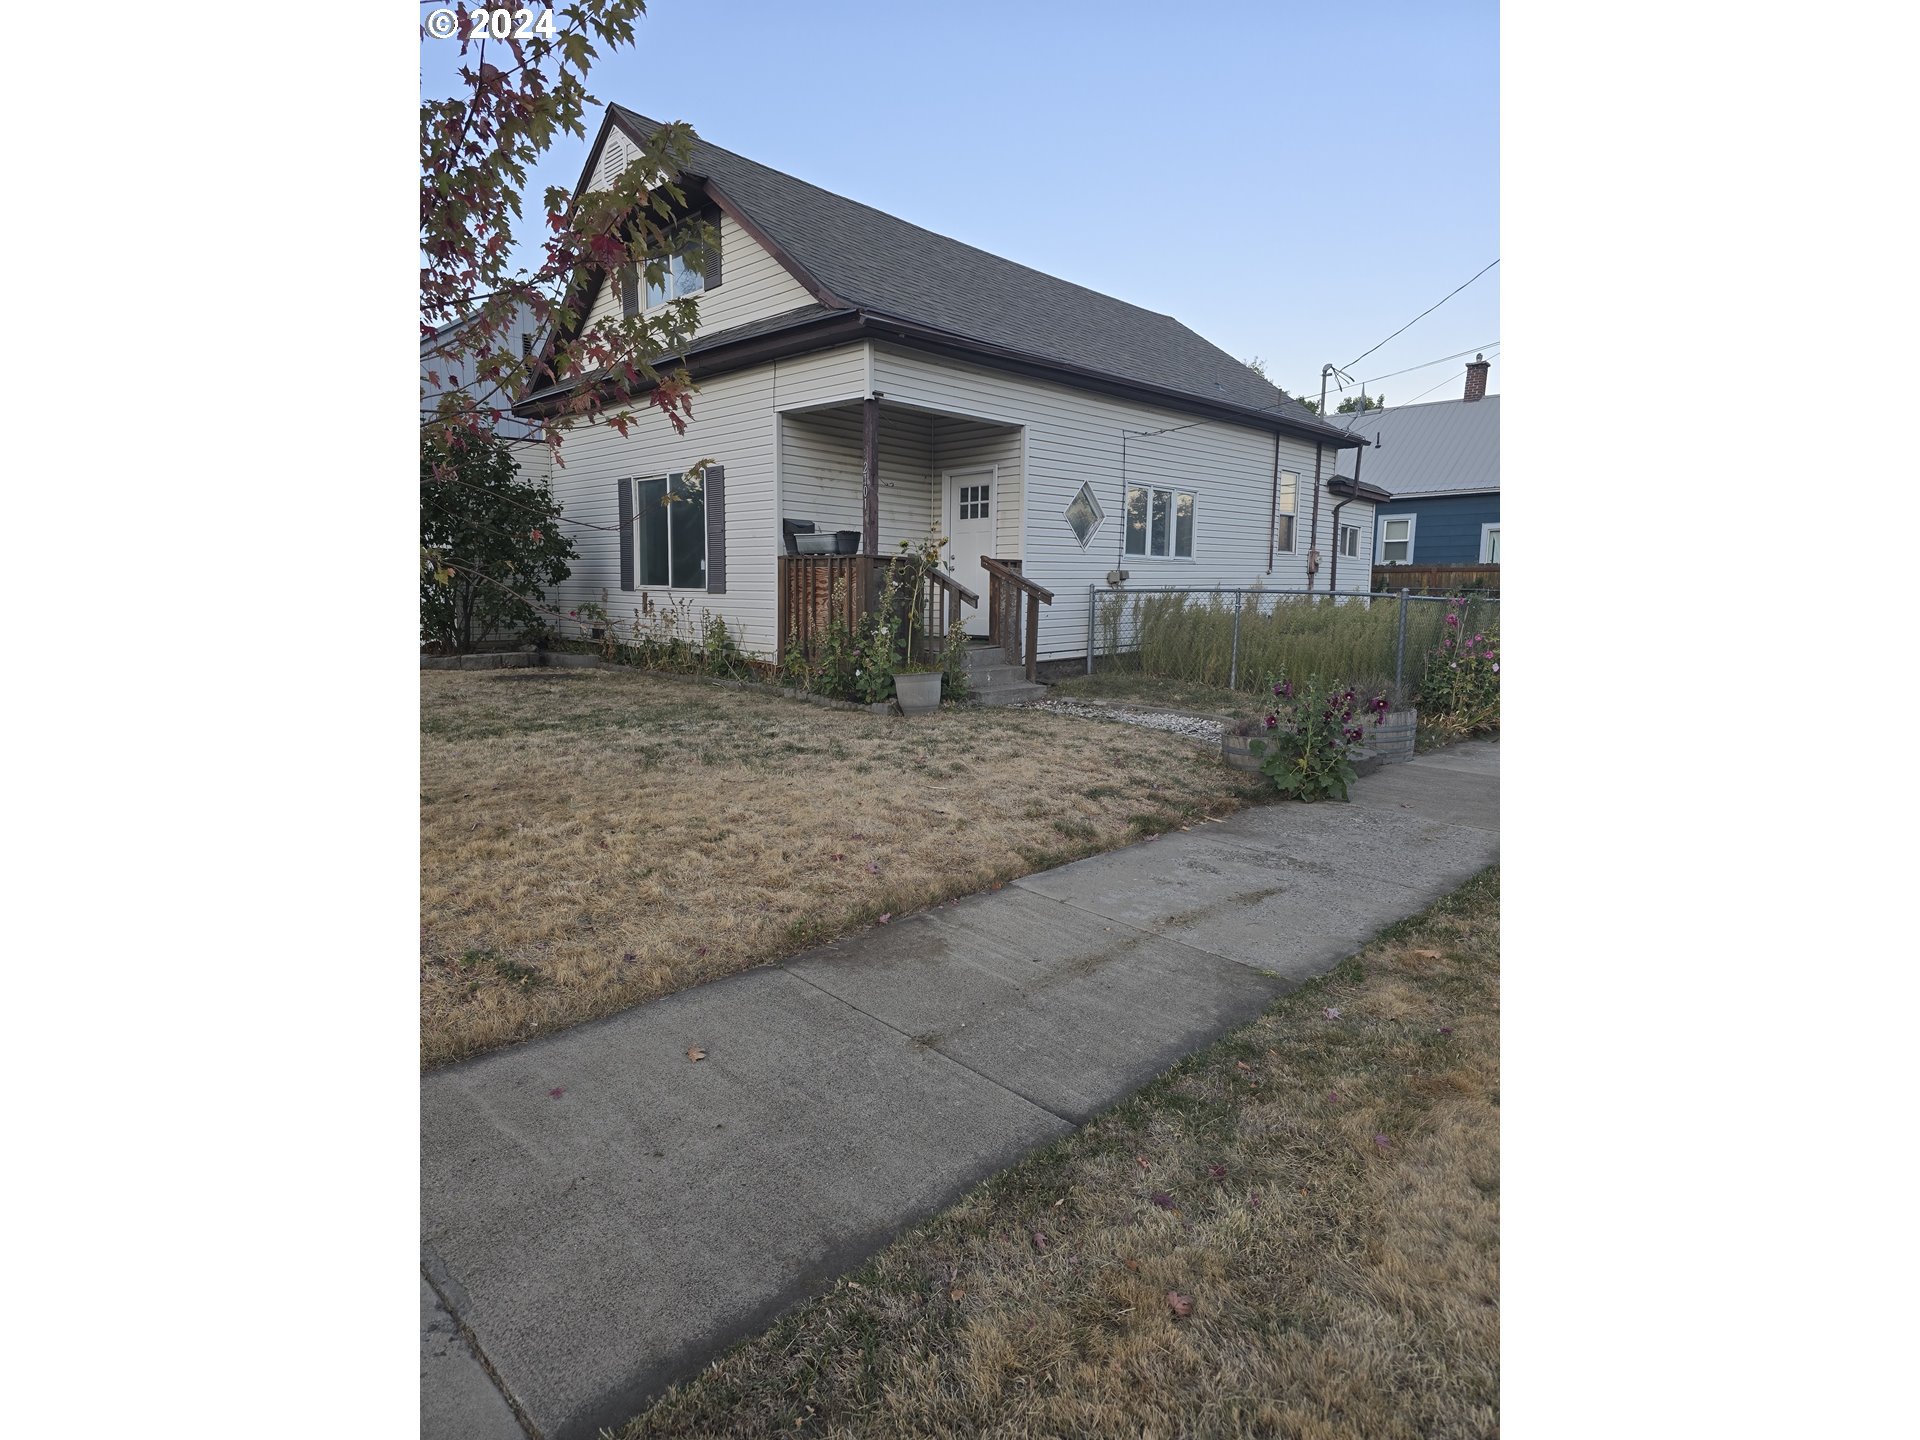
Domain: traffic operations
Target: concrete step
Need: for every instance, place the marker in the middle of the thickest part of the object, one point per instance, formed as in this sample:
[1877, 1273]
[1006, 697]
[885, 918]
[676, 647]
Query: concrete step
[1019, 692]
[986, 675]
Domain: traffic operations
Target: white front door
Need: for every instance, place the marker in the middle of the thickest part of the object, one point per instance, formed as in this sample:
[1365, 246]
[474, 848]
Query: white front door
[972, 499]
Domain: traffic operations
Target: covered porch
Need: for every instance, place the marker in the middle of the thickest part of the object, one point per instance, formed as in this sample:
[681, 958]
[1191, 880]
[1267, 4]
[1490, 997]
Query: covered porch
[858, 479]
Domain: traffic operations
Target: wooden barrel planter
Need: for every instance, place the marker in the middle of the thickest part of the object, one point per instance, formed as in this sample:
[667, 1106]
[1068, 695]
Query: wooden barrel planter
[1392, 739]
[1234, 750]
[1386, 743]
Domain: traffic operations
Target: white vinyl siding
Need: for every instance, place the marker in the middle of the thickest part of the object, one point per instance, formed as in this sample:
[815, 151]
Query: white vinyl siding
[1075, 436]
[733, 427]
[822, 473]
[828, 377]
[753, 286]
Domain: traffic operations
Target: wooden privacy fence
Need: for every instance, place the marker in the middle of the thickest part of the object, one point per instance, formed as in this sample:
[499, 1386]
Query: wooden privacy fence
[1437, 579]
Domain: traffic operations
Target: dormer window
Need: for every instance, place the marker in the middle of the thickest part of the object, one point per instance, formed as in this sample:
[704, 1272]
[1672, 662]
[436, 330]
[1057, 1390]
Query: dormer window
[680, 281]
[687, 273]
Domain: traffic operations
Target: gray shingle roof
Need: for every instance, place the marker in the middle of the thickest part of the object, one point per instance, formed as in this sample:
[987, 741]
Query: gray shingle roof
[1445, 447]
[882, 264]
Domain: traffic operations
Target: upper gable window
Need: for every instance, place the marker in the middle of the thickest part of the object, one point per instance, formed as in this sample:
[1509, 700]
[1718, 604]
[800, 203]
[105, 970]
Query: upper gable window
[680, 281]
[683, 277]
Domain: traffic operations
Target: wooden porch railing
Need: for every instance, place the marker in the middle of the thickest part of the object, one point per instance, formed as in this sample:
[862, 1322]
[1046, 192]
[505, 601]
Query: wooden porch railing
[1007, 588]
[815, 590]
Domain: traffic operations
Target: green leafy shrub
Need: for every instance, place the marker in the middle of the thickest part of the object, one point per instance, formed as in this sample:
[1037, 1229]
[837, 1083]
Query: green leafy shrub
[490, 541]
[1461, 686]
[1308, 734]
[957, 684]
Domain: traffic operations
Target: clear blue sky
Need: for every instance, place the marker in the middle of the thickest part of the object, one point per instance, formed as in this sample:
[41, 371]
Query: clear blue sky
[1291, 181]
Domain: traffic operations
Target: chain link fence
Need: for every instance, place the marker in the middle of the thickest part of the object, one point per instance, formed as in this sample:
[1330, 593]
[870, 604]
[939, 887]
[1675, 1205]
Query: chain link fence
[1241, 639]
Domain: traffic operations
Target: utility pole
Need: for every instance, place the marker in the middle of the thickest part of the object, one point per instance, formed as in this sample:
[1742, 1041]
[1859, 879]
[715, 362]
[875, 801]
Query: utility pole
[1313, 531]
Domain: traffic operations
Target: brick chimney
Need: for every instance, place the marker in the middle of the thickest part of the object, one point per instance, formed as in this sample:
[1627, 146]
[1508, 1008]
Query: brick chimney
[1477, 378]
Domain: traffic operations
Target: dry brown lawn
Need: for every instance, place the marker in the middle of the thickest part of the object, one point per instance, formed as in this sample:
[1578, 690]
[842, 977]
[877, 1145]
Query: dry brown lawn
[594, 838]
[1319, 1193]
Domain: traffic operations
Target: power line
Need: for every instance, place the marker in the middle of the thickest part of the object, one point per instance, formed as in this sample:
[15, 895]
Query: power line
[1385, 410]
[1424, 313]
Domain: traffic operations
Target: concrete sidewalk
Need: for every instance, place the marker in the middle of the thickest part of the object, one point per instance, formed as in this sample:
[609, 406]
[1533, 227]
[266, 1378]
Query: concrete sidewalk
[600, 1215]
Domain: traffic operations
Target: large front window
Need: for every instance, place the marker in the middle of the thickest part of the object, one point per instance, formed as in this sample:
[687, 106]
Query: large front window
[1160, 522]
[670, 517]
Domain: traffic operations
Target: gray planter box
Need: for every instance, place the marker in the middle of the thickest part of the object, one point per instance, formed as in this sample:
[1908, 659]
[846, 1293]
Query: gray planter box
[918, 694]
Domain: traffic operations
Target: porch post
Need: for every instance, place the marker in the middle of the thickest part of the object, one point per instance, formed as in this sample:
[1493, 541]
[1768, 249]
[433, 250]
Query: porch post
[870, 483]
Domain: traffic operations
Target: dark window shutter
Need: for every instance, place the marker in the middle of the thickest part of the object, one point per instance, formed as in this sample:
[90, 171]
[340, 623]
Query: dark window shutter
[626, 533]
[716, 530]
[629, 290]
[712, 274]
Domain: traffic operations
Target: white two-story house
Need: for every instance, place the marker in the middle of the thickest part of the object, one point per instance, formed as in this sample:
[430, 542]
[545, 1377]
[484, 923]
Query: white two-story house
[862, 376]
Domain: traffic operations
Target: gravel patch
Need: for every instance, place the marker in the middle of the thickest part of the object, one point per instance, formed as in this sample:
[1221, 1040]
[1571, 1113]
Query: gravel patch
[1194, 727]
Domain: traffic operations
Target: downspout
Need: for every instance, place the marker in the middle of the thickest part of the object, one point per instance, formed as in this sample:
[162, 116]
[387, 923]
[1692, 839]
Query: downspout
[1273, 512]
[1313, 532]
[1333, 572]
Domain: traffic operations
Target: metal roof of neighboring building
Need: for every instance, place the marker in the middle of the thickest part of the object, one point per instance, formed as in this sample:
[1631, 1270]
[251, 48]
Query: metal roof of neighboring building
[879, 263]
[1443, 447]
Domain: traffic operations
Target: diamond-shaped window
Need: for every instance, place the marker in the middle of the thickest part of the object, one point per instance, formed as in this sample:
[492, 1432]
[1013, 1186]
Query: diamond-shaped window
[1085, 515]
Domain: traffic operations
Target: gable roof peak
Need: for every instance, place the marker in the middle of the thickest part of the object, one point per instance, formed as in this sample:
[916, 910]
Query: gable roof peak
[894, 269]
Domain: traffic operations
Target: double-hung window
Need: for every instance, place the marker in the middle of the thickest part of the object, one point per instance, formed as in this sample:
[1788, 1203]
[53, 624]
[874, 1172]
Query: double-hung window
[1396, 539]
[680, 281]
[1286, 504]
[1160, 522]
[670, 542]
[1490, 544]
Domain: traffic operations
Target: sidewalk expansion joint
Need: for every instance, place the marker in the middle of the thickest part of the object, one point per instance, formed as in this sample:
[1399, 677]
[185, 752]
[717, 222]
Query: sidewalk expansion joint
[997, 1083]
[524, 1420]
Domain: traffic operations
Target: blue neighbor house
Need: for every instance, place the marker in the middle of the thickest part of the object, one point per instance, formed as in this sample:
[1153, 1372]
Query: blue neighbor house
[1441, 463]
